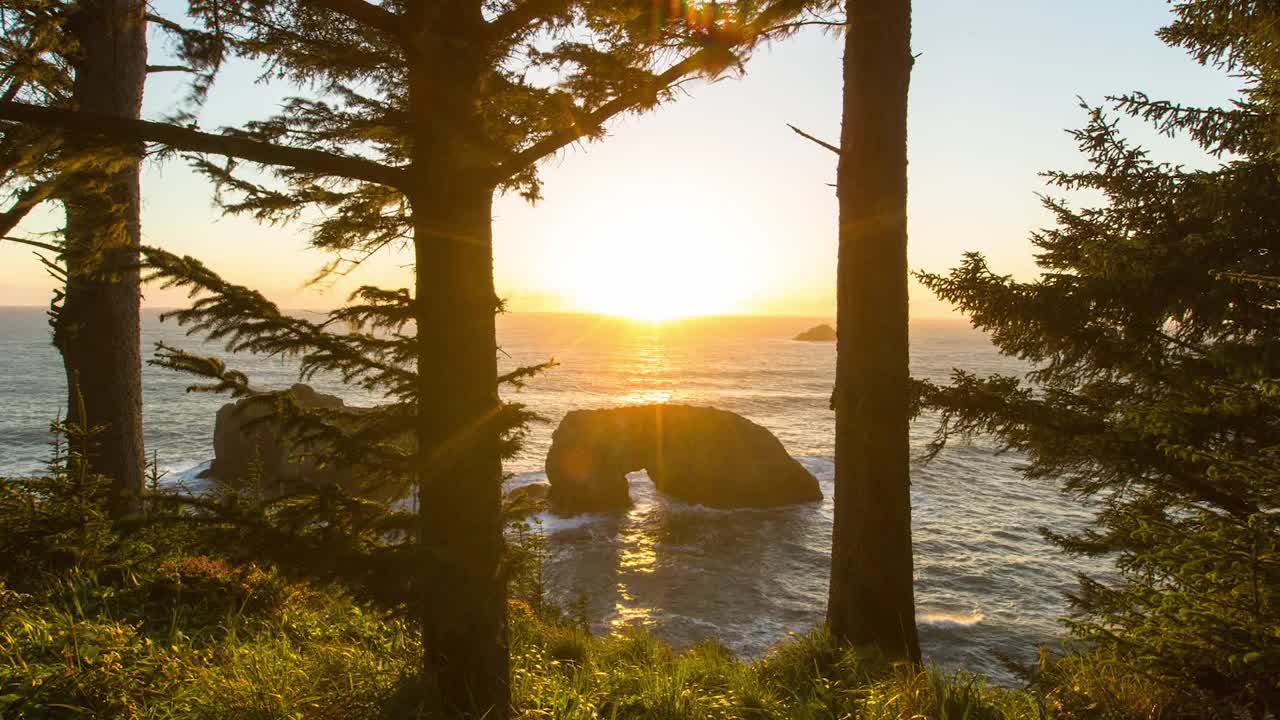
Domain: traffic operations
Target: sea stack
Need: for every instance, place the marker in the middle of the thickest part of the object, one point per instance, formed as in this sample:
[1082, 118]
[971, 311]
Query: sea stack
[818, 333]
[253, 453]
[700, 455]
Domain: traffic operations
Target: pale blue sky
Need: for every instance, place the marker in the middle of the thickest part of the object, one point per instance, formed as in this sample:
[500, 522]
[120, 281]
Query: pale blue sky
[714, 191]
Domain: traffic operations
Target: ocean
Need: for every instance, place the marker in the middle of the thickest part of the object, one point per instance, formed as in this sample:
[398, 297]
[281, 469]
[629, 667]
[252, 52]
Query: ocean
[987, 583]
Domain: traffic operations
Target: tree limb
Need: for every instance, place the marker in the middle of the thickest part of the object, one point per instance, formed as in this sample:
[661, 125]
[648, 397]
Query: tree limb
[582, 126]
[27, 200]
[523, 14]
[365, 13]
[33, 243]
[13, 74]
[168, 68]
[128, 130]
[807, 136]
[789, 26]
[164, 22]
[11, 92]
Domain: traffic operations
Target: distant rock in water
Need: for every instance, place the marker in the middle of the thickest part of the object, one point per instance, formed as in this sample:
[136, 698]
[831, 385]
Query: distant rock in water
[249, 450]
[700, 455]
[521, 502]
[818, 333]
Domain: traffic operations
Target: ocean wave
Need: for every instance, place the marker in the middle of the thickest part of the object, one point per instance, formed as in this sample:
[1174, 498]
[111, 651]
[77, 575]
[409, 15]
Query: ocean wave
[553, 523]
[950, 619]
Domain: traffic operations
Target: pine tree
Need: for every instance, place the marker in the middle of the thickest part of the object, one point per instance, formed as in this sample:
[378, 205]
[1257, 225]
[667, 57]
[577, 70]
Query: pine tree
[423, 111]
[1154, 333]
[92, 55]
[98, 328]
[872, 599]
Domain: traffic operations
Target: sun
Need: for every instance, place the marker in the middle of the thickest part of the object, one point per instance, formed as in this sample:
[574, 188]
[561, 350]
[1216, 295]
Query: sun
[684, 262]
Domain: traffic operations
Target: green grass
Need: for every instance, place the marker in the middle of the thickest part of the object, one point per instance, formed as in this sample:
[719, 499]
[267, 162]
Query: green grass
[201, 639]
[565, 673]
[262, 650]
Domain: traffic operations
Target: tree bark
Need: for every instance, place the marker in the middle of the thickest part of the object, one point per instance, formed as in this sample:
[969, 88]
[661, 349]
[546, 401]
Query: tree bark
[97, 329]
[464, 614]
[871, 600]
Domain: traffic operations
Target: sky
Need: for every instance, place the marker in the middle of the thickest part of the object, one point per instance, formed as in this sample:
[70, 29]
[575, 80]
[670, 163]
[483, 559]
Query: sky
[709, 204]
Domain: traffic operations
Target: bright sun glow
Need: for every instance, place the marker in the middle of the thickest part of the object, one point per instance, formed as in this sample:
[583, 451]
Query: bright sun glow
[682, 261]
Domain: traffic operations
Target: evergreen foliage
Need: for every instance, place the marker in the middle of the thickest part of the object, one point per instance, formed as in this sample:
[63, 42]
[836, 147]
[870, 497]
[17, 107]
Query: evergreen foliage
[1154, 333]
[417, 114]
[39, 49]
[171, 620]
[321, 532]
[56, 522]
[90, 55]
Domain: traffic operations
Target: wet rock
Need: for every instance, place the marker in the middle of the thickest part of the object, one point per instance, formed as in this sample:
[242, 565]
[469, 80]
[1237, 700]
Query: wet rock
[700, 455]
[521, 502]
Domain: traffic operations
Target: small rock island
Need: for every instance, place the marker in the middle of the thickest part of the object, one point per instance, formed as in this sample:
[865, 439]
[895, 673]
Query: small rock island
[253, 452]
[697, 454]
[818, 333]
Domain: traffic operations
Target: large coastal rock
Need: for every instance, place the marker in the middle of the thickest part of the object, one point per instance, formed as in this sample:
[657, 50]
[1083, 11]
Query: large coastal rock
[256, 456]
[700, 455]
[817, 333]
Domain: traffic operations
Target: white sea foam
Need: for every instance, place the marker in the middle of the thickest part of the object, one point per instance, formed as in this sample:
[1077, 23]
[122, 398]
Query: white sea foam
[552, 523]
[950, 619]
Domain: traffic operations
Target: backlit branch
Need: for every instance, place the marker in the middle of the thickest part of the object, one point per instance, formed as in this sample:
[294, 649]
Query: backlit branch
[27, 199]
[362, 12]
[128, 130]
[587, 124]
[522, 15]
[33, 243]
[811, 138]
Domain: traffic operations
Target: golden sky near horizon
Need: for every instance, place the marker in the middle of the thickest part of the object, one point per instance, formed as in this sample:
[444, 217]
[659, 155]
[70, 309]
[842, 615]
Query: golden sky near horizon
[710, 205]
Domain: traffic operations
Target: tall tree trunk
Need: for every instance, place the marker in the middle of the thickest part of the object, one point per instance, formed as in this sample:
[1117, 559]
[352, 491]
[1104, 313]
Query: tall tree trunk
[871, 600]
[465, 612]
[97, 329]
[466, 660]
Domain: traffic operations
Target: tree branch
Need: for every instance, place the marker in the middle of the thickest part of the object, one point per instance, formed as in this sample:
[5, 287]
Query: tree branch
[807, 136]
[365, 13]
[168, 68]
[166, 23]
[33, 243]
[789, 26]
[13, 74]
[128, 130]
[523, 14]
[15, 87]
[27, 200]
[589, 123]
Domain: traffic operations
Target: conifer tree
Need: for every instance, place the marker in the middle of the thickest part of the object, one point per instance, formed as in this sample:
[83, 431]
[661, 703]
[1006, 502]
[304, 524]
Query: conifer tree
[872, 599]
[422, 112]
[92, 55]
[98, 328]
[1154, 332]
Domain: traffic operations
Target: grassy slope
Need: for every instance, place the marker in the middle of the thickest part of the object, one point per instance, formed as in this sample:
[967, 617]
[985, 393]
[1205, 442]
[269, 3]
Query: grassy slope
[203, 639]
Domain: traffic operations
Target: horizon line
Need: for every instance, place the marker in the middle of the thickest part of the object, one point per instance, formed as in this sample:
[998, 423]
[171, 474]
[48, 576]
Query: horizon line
[587, 313]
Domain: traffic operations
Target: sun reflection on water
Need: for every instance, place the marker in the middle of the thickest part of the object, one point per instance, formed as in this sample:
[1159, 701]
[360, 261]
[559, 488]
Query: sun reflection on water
[646, 373]
[637, 556]
[648, 396]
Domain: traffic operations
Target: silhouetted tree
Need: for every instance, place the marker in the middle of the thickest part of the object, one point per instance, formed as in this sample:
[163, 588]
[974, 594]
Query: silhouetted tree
[91, 55]
[872, 599]
[97, 329]
[1154, 331]
[425, 110]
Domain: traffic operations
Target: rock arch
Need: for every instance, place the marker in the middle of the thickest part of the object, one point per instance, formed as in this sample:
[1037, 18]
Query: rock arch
[700, 455]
